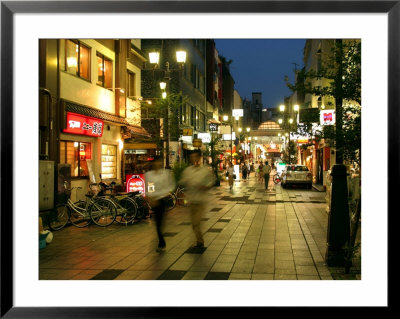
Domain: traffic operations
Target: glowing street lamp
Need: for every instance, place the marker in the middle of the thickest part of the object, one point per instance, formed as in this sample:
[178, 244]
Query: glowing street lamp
[154, 57]
[282, 108]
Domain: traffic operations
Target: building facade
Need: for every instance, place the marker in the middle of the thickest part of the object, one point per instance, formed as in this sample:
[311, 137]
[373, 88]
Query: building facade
[87, 107]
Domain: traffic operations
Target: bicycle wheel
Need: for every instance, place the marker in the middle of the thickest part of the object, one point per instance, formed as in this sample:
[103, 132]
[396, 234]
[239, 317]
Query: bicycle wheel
[103, 212]
[143, 207]
[127, 212]
[58, 217]
[277, 179]
[80, 217]
[170, 202]
[180, 198]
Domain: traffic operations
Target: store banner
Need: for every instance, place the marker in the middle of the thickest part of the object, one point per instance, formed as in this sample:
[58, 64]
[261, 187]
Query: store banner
[83, 125]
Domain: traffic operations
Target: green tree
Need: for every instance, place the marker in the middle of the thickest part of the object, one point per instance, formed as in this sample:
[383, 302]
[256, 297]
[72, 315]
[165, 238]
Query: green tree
[168, 110]
[213, 152]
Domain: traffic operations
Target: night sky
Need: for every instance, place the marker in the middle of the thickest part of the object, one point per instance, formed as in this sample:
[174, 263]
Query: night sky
[261, 66]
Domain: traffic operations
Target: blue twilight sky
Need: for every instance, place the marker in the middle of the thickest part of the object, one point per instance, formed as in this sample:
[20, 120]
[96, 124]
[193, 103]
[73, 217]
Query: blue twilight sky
[260, 65]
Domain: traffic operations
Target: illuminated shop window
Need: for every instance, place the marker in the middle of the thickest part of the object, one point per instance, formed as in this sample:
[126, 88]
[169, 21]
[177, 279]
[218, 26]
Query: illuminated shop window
[77, 59]
[104, 71]
[108, 161]
[76, 154]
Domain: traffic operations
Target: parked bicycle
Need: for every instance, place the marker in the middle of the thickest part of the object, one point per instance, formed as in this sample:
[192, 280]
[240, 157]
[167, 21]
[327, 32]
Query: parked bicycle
[127, 207]
[277, 178]
[99, 210]
[179, 196]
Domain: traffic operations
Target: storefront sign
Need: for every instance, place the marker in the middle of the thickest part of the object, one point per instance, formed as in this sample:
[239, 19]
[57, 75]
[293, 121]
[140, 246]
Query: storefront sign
[205, 137]
[227, 137]
[83, 125]
[237, 112]
[187, 139]
[213, 127]
[135, 151]
[135, 183]
[327, 117]
[197, 142]
[187, 132]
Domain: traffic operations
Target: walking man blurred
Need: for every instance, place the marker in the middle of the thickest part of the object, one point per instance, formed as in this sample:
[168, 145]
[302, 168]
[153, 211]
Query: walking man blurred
[266, 171]
[197, 180]
[163, 182]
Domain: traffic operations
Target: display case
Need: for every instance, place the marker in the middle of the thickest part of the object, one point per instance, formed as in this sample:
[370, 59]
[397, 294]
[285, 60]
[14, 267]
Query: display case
[108, 161]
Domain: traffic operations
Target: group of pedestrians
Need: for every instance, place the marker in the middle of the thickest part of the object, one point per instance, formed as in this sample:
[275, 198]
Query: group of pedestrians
[196, 179]
[262, 172]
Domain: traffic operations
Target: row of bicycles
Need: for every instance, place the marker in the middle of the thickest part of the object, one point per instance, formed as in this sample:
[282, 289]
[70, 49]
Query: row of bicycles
[102, 206]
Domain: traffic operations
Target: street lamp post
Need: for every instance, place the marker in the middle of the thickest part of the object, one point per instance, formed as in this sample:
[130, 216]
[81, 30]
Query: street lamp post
[154, 58]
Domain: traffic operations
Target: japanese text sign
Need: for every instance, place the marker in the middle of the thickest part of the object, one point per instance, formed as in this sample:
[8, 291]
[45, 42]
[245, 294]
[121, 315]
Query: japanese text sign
[83, 125]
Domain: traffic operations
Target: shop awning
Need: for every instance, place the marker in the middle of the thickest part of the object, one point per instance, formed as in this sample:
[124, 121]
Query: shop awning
[140, 146]
[129, 129]
[214, 121]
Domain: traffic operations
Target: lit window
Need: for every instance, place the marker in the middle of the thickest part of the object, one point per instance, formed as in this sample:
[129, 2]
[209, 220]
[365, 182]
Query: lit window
[104, 71]
[76, 154]
[77, 59]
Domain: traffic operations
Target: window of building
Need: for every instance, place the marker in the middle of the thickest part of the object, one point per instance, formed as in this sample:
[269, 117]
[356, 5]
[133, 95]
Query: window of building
[193, 117]
[188, 114]
[104, 71]
[77, 59]
[108, 161]
[183, 117]
[131, 84]
[76, 154]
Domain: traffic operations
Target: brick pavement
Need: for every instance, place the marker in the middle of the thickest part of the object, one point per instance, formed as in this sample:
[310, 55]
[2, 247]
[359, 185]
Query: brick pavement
[250, 234]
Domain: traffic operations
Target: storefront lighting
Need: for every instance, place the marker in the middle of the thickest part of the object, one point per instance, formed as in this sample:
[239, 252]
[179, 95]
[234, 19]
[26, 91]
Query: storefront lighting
[121, 144]
[240, 129]
[248, 129]
[76, 144]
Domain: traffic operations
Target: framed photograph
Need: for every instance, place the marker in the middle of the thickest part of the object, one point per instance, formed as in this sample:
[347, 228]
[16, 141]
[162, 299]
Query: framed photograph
[24, 23]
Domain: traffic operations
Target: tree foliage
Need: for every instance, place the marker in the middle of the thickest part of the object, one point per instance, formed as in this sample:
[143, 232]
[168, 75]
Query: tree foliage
[340, 80]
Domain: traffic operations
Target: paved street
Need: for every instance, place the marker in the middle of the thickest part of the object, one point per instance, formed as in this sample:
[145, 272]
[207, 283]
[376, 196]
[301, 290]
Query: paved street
[249, 233]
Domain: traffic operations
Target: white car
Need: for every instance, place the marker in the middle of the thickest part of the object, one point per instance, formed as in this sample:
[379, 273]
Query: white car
[296, 174]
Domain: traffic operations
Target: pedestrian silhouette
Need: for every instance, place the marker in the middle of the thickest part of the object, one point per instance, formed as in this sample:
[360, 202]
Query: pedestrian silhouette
[197, 180]
[162, 183]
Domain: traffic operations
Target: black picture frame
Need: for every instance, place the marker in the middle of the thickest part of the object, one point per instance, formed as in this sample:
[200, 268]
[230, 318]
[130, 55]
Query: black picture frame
[9, 8]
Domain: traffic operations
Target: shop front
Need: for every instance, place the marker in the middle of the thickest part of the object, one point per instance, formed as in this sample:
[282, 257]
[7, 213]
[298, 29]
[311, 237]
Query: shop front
[91, 143]
[137, 157]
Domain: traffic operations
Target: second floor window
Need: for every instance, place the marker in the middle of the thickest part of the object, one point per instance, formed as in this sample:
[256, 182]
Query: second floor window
[104, 71]
[131, 84]
[77, 59]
